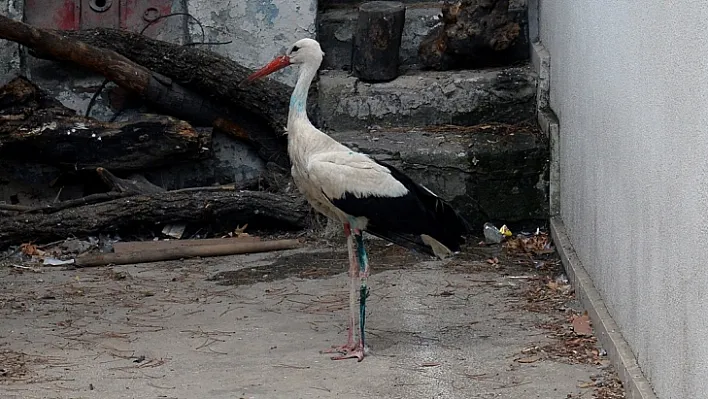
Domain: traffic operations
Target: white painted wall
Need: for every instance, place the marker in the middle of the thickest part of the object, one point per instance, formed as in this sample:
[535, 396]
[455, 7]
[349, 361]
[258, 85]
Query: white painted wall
[629, 84]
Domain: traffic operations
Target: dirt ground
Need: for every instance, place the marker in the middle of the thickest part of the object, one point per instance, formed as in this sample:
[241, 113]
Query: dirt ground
[487, 324]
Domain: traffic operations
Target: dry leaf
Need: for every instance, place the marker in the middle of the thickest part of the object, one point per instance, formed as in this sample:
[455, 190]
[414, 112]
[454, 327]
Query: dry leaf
[586, 384]
[30, 249]
[239, 231]
[538, 244]
[552, 285]
[493, 261]
[581, 325]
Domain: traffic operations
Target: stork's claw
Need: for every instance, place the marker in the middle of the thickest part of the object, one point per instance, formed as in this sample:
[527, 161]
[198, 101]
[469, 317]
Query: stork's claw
[346, 348]
[348, 352]
[357, 353]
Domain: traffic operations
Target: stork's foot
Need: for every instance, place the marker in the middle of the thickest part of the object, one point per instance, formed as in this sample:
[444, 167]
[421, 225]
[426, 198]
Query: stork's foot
[357, 352]
[346, 348]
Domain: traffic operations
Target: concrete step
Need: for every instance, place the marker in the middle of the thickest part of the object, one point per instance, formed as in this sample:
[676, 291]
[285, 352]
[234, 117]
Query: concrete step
[336, 28]
[420, 98]
[492, 172]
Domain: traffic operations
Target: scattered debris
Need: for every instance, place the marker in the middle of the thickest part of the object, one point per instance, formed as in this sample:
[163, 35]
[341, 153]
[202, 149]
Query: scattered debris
[32, 269]
[174, 230]
[239, 231]
[57, 262]
[537, 244]
[30, 249]
[570, 328]
[494, 235]
[581, 325]
[76, 246]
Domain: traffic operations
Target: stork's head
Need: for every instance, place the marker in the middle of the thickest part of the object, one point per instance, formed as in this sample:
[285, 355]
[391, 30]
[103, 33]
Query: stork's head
[304, 51]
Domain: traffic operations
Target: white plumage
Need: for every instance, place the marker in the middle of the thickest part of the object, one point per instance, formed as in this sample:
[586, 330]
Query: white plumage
[360, 192]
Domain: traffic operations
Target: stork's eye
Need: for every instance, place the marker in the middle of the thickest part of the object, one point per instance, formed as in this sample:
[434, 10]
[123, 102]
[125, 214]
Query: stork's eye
[295, 48]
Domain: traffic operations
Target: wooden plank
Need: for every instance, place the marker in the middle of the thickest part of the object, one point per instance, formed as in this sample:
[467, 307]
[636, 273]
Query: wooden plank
[234, 248]
[135, 246]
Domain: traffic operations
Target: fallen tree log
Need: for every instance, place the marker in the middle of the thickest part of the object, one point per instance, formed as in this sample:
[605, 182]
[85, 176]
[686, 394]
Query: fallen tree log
[36, 128]
[120, 188]
[134, 184]
[197, 69]
[159, 90]
[475, 34]
[263, 105]
[225, 208]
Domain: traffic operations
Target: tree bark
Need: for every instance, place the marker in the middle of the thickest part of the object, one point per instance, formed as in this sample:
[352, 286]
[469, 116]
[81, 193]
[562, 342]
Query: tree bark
[377, 40]
[134, 184]
[37, 128]
[121, 188]
[165, 94]
[225, 208]
[475, 34]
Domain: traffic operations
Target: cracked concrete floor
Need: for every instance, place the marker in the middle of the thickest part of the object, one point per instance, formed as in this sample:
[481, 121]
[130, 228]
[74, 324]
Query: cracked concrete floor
[249, 326]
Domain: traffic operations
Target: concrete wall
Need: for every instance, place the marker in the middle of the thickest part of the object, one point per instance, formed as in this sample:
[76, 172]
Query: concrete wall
[10, 51]
[629, 85]
[259, 29]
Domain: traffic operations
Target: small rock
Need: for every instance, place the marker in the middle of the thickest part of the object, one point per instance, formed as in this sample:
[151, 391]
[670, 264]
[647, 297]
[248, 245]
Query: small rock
[75, 246]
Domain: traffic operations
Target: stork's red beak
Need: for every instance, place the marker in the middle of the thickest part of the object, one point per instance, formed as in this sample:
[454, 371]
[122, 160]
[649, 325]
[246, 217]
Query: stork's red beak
[277, 64]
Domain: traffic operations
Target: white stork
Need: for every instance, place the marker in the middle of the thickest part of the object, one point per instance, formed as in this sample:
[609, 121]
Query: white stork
[360, 192]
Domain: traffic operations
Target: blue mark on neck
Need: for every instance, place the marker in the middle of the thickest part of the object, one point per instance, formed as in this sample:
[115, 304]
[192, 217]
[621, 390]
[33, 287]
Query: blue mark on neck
[296, 104]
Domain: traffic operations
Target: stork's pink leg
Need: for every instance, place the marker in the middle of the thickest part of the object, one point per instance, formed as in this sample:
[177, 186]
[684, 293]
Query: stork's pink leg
[352, 343]
[359, 350]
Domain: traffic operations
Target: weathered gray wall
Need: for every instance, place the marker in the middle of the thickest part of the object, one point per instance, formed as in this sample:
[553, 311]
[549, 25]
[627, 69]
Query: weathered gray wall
[10, 51]
[629, 84]
[259, 29]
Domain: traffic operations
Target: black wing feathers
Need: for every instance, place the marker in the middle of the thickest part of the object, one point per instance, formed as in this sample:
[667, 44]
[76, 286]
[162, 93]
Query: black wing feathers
[402, 220]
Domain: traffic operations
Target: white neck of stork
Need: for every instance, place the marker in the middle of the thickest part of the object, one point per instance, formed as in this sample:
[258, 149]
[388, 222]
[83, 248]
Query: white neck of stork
[308, 54]
[298, 99]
